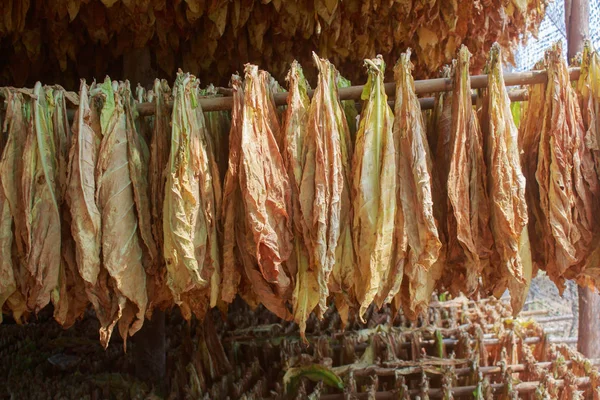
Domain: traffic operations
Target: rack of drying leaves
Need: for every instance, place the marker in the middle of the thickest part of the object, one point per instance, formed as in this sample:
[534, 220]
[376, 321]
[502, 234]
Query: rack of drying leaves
[463, 349]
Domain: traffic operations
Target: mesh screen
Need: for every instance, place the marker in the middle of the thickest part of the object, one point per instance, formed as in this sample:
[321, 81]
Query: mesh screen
[552, 29]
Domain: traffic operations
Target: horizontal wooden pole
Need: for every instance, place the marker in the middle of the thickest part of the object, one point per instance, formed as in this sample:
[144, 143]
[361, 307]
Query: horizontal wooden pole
[428, 86]
[521, 388]
[387, 371]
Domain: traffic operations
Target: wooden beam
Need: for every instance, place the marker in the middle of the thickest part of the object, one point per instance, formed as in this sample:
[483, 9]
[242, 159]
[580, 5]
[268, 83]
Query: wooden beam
[422, 87]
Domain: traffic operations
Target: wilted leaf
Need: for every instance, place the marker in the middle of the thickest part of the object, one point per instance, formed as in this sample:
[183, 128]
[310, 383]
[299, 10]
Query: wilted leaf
[306, 291]
[506, 190]
[422, 268]
[374, 190]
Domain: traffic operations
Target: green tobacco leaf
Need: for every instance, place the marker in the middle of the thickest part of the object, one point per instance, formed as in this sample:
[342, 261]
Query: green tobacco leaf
[314, 372]
[515, 109]
[374, 188]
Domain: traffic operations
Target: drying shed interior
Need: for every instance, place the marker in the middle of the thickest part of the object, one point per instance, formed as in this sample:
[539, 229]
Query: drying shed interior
[264, 200]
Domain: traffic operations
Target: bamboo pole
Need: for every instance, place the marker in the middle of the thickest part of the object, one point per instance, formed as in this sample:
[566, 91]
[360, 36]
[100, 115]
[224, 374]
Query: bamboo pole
[521, 388]
[422, 87]
[390, 371]
[449, 342]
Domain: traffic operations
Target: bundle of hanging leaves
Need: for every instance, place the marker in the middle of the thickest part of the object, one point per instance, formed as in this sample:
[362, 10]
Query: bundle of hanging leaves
[63, 40]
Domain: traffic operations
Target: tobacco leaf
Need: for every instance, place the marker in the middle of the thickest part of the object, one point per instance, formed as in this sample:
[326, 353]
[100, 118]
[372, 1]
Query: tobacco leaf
[306, 291]
[191, 205]
[423, 266]
[350, 111]
[11, 146]
[529, 145]
[512, 267]
[218, 125]
[467, 192]
[265, 193]
[42, 213]
[325, 188]
[121, 240]
[588, 89]
[374, 190]
[86, 219]
[71, 300]
[565, 174]
[159, 295]
[231, 198]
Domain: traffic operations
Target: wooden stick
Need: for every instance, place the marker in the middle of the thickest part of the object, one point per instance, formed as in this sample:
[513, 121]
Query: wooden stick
[521, 388]
[558, 318]
[388, 371]
[427, 86]
[530, 313]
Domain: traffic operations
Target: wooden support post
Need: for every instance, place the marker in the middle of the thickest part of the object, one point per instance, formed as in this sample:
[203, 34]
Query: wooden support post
[577, 16]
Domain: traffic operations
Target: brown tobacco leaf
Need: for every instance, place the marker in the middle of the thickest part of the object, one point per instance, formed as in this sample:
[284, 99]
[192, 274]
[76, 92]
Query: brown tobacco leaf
[139, 160]
[467, 191]
[218, 125]
[374, 191]
[11, 147]
[191, 206]
[422, 268]
[264, 181]
[265, 236]
[529, 144]
[325, 189]
[306, 291]
[86, 221]
[256, 203]
[506, 188]
[214, 39]
[565, 174]
[72, 299]
[589, 99]
[588, 89]
[439, 128]
[232, 198]
[121, 241]
[42, 212]
[159, 294]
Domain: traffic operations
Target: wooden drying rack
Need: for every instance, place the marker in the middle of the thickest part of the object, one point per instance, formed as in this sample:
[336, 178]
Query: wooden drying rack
[422, 87]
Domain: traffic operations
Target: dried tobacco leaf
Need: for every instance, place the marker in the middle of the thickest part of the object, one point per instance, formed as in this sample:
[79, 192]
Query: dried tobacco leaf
[468, 210]
[256, 203]
[86, 219]
[306, 291]
[589, 100]
[191, 206]
[439, 129]
[121, 239]
[565, 174]
[71, 300]
[374, 190]
[506, 188]
[231, 212]
[529, 144]
[264, 182]
[159, 294]
[423, 267]
[325, 191]
[225, 34]
[588, 88]
[350, 111]
[218, 125]
[42, 213]
[18, 109]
